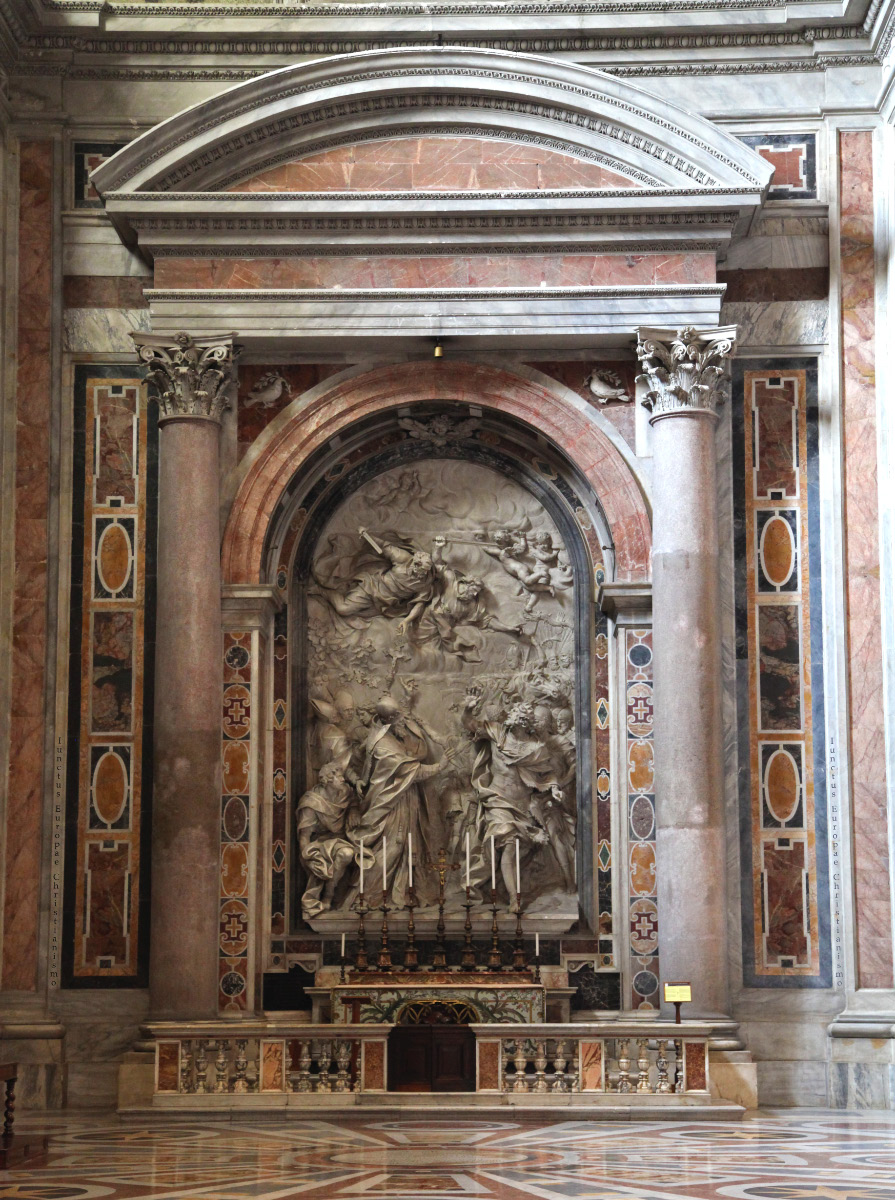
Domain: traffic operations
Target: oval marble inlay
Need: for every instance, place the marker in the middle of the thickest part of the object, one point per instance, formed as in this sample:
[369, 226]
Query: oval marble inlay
[643, 869]
[234, 869]
[110, 787]
[640, 766]
[113, 558]
[781, 786]
[236, 818]
[235, 766]
[777, 550]
[642, 817]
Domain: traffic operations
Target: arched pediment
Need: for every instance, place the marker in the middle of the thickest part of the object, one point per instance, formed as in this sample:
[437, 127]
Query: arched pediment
[429, 91]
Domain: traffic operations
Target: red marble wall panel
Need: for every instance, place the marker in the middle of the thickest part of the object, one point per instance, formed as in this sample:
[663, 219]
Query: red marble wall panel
[784, 865]
[106, 793]
[434, 164]
[443, 271]
[265, 391]
[33, 392]
[574, 373]
[868, 757]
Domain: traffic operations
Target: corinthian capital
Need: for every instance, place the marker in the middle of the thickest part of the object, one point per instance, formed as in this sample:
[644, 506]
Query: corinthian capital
[683, 370]
[192, 376]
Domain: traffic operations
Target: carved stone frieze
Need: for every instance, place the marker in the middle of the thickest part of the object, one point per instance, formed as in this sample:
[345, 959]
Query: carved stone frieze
[683, 370]
[192, 376]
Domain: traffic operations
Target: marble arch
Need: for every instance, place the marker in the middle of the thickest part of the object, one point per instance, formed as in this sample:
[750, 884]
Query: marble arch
[354, 96]
[556, 412]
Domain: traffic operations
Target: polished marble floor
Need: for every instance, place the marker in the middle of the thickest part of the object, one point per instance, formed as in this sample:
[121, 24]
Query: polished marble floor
[776, 1155]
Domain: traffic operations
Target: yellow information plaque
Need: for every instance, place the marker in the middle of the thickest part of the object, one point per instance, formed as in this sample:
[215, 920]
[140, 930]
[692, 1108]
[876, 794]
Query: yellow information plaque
[678, 993]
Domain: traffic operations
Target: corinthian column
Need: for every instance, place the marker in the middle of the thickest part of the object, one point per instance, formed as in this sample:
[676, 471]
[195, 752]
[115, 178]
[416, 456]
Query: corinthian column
[191, 378]
[682, 372]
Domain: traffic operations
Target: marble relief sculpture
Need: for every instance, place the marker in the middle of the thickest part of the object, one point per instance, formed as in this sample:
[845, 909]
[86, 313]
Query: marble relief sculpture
[440, 694]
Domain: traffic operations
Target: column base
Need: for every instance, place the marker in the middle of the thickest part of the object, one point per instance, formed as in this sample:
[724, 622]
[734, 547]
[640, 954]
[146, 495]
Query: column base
[36, 1046]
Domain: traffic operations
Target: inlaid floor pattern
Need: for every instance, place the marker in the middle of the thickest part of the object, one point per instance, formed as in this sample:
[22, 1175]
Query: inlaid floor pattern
[776, 1155]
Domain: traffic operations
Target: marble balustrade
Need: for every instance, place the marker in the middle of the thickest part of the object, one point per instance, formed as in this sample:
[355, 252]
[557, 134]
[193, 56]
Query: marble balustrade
[258, 1064]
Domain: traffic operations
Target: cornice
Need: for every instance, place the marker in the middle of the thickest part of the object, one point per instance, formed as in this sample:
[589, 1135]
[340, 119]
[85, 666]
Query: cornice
[57, 42]
[256, 125]
[436, 250]
[382, 295]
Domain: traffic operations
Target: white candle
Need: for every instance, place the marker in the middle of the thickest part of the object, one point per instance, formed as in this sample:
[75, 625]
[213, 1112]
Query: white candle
[537, 945]
[410, 855]
[467, 858]
[493, 872]
[362, 866]
[343, 945]
[384, 861]
[518, 877]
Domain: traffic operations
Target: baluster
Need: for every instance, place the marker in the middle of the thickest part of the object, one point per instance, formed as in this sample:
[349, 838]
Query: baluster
[624, 1067]
[201, 1068]
[520, 1084]
[354, 1066]
[541, 1067]
[560, 1061]
[323, 1062]
[186, 1066]
[663, 1087]
[240, 1083]
[304, 1067]
[221, 1067]
[678, 1074]
[575, 1079]
[642, 1065]
[507, 1050]
[343, 1056]
[253, 1073]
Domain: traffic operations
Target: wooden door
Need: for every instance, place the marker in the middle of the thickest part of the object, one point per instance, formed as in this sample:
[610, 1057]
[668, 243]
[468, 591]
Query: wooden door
[410, 1059]
[431, 1058]
[453, 1058]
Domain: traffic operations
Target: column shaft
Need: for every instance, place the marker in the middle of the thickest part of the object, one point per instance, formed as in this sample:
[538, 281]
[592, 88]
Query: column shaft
[690, 842]
[186, 796]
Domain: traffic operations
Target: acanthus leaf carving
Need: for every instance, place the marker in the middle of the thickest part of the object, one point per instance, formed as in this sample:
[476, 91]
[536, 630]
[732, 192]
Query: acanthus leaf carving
[193, 376]
[683, 370]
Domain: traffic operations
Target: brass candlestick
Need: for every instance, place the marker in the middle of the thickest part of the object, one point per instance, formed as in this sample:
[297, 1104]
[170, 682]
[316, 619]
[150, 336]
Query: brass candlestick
[384, 962]
[439, 959]
[467, 960]
[411, 958]
[361, 962]
[518, 943]
[494, 961]
[536, 977]
[342, 961]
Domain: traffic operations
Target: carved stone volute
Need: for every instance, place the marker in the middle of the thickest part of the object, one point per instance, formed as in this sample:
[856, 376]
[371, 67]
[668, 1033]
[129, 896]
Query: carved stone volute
[683, 370]
[192, 375]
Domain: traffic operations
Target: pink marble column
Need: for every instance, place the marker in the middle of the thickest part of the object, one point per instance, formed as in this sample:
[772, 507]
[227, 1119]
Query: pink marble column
[873, 901]
[26, 660]
[191, 378]
[682, 373]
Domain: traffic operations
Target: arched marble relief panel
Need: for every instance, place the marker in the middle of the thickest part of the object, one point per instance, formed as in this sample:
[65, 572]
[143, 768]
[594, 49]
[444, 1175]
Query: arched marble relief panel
[441, 619]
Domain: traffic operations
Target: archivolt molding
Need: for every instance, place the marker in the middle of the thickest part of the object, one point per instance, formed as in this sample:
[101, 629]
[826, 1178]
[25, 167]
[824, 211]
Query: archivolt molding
[255, 122]
[329, 410]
